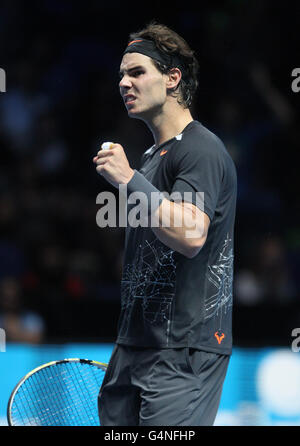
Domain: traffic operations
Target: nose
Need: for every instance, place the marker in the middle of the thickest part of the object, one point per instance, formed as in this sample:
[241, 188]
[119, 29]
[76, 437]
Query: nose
[125, 82]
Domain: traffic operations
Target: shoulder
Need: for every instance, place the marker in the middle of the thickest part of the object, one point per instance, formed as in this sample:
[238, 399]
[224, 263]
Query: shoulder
[198, 143]
[200, 140]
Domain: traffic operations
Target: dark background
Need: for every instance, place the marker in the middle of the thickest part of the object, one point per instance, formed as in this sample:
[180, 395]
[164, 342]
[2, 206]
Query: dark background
[59, 272]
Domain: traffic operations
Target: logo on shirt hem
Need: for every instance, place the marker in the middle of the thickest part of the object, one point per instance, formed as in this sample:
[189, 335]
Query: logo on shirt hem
[219, 338]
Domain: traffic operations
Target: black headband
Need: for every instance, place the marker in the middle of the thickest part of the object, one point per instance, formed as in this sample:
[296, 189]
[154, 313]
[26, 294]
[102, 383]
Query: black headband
[148, 48]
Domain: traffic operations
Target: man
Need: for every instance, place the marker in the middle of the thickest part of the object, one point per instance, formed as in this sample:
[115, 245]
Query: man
[174, 337]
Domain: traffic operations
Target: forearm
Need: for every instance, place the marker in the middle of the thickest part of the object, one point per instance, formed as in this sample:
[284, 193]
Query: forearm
[180, 226]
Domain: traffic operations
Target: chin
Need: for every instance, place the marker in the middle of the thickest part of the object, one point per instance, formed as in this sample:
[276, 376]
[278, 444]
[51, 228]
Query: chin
[132, 113]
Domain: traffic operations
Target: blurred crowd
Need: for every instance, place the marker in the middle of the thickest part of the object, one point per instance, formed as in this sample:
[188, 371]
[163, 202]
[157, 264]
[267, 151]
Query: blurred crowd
[59, 272]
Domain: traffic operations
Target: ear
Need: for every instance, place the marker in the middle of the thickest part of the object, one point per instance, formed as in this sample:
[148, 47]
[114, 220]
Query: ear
[173, 78]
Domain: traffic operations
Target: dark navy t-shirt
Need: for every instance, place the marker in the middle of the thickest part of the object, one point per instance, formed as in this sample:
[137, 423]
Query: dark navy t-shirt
[167, 299]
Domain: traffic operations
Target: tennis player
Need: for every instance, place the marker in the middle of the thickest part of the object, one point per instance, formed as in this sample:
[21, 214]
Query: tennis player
[174, 337]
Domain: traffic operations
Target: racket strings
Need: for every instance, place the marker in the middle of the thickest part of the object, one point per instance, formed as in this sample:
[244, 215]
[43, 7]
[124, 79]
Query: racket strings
[39, 401]
[22, 402]
[61, 395]
[85, 380]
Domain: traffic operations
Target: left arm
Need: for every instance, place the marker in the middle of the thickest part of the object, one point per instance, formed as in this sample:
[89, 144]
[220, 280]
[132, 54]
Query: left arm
[183, 227]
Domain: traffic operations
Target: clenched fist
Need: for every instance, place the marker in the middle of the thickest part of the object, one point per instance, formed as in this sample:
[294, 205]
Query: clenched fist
[113, 165]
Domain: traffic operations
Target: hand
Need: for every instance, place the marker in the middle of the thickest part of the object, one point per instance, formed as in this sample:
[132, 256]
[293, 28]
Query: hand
[113, 165]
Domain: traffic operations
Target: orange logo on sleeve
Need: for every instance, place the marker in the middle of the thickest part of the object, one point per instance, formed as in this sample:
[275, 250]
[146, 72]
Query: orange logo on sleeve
[163, 152]
[219, 338]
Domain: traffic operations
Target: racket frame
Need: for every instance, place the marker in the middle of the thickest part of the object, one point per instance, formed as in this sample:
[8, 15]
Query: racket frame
[101, 365]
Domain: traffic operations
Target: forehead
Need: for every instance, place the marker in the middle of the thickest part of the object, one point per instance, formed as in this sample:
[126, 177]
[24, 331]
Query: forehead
[130, 60]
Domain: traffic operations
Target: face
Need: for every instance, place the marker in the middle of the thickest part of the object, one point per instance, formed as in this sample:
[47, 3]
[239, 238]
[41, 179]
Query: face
[142, 86]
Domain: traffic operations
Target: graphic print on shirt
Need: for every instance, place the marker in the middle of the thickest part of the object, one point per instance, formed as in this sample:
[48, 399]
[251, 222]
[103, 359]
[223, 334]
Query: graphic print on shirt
[221, 276]
[150, 283]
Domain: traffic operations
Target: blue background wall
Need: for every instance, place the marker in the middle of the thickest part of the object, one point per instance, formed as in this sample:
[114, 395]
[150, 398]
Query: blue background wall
[262, 386]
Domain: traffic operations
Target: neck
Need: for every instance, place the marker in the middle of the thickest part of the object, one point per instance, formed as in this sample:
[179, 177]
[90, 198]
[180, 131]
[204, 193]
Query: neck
[168, 123]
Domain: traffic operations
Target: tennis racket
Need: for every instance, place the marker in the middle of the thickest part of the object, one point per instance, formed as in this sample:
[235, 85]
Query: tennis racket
[59, 393]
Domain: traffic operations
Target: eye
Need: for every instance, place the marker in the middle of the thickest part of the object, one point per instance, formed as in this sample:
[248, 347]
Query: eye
[134, 73]
[137, 73]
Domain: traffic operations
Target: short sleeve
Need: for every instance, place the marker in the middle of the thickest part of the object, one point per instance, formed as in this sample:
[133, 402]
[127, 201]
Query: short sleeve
[198, 169]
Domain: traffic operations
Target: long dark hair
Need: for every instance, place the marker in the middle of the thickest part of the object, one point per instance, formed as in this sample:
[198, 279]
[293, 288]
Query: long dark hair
[170, 42]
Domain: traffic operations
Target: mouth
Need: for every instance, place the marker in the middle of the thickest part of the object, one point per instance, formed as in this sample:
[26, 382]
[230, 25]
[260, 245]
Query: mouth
[129, 99]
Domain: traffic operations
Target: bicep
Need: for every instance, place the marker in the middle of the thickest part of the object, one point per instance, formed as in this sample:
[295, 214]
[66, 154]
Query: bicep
[199, 218]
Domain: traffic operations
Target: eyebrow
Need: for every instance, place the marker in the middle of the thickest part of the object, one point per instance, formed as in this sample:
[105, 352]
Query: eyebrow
[136, 67]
